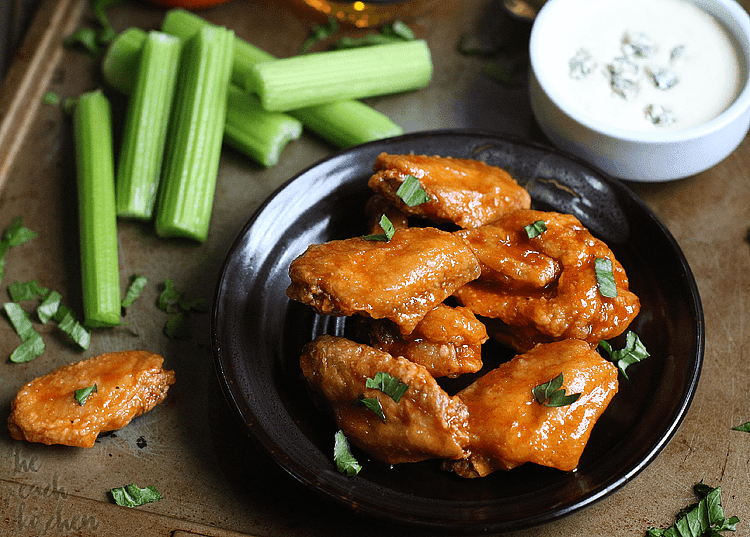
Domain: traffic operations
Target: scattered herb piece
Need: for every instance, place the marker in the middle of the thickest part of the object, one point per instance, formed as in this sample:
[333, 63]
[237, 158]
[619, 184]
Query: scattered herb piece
[744, 427]
[133, 496]
[633, 352]
[68, 323]
[705, 517]
[535, 229]
[49, 306]
[177, 327]
[174, 302]
[50, 98]
[388, 231]
[32, 344]
[552, 394]
[136, 285]
[319, 33]
[83, 394]
[605, 279]
[373, 403]
[86, 38]
[388, 384]
[342, 456]
[411, 192]
[169, 297]
[19, 291]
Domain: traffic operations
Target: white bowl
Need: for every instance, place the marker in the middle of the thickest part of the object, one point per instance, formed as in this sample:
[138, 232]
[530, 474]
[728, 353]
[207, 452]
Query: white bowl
[632, 154]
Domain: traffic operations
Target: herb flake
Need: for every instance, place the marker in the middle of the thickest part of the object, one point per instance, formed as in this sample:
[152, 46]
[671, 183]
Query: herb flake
[412, 193]
[744, 427]
[372, 403]
[535, 229]
[342, 456]
[133, 496]
[82, 394]
[605, 278]
[706, 517]
[388, 231]
[552, 394]
[136, 285]
[387, 384]
[633, 352]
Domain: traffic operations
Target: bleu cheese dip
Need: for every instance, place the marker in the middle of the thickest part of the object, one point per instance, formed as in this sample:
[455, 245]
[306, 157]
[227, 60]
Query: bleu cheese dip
[642, 65]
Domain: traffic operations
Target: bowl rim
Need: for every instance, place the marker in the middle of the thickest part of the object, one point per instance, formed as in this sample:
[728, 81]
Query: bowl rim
[740, 33]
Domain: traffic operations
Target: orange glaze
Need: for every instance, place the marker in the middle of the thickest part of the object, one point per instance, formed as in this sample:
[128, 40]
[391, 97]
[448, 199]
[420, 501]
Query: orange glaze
[508, 427]
[129, 383]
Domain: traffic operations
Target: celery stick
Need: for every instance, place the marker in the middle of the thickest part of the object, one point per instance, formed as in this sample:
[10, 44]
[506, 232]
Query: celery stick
[259, 134]
[146, 126]
[324, 77]
[191, 163]
[343, 125]
[256, 132]
[96, 210]
[347, 123]
[184, 25]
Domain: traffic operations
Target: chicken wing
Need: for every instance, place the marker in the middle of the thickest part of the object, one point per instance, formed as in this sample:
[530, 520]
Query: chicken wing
[560, 297]
[426, 423]
[508, 427]
[400, 279]
[447, 341]
[128, 384]
[467, 192]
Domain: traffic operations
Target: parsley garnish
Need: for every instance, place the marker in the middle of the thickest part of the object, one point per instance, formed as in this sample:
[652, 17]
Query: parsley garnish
[633, 352]
[342, 456]
[373, 403]
[387, 384]
[388, 231]
[83, 394]
[174, 302]
[411, 192]
[133, 496]
[706, 517]
[13, 235]
[744, 427]
[552, 393]
[604, 277]
[32, 344]
[535, 229]
[137, 283]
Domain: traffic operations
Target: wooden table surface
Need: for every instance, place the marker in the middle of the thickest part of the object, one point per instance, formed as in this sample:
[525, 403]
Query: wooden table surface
[215, 481]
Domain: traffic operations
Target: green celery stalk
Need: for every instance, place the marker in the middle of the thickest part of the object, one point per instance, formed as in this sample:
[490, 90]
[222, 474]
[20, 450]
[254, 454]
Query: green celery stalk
[191, 162]
[324, 77]
[184, 24]
[146, 123]
[256, 132]
[347, 123]
[92, 125]
[342, 124]
[259, 134]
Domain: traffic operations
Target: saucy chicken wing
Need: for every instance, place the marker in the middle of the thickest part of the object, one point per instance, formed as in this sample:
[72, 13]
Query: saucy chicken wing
[508, 427]
[426, 423]
[128, 384]
[552, 293]
[447, 341]
[400, 279]
[467, 192]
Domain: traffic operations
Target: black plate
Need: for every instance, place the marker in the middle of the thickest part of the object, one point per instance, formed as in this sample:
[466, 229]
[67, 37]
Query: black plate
[257, 335]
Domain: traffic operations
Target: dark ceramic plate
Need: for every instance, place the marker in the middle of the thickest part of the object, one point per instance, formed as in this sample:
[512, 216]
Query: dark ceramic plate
[258, 334]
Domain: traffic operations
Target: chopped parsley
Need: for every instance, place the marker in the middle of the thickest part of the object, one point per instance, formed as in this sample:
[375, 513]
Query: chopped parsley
[387, 384]
[133, 496]
[342, 456]
[535, 229]
[705, 517]
[388, 231]
[174, 302]
[552, 394]
[744, 427]
[411, 192]
[373, 403]
[83, 394]
[14, 235]
[633, 352]
[136, 285]
[32, 344]
[605, 279]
